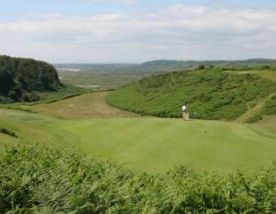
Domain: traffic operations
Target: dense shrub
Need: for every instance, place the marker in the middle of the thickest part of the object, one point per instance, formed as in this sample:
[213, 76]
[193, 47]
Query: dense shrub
[210, 94]
[35, 179]
[20, 78]
[270, 106]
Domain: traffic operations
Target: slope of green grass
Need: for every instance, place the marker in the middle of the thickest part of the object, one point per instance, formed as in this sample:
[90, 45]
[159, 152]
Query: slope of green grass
[89, 105]
[151, 144]
[269, 121]
[210, 94]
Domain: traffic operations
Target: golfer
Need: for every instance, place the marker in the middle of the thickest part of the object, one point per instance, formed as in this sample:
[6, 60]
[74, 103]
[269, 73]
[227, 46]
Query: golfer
[185, 112]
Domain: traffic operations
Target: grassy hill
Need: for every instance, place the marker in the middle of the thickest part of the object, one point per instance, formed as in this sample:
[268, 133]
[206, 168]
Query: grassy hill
[210, 94]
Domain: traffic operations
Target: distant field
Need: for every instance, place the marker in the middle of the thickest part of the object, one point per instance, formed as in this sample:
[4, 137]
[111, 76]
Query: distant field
[150, 144]
[99, 80]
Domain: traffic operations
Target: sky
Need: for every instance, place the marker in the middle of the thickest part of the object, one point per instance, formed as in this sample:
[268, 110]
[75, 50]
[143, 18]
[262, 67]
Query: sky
[134, 31]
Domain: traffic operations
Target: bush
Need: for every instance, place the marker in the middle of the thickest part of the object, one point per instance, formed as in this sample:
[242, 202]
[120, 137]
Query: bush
[35, 179]
[201, 67]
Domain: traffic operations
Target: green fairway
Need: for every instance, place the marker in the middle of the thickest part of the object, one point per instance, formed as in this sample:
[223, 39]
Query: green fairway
[151, 144]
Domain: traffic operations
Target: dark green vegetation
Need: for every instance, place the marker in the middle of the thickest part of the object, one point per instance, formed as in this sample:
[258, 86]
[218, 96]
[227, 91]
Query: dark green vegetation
[7, 132]
[23, 79]
[210, 94]
[270, 106]
[37, 179]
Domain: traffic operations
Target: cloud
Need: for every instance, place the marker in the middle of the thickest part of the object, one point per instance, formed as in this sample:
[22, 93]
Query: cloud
[176, 32]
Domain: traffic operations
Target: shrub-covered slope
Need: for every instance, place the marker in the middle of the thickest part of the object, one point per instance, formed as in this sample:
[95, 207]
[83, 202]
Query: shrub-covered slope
[210, 94]
[270, 106]
[35, 179]
[20, 78]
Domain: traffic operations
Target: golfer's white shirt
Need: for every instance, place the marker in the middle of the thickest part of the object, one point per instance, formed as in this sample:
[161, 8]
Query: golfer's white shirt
[184, 108]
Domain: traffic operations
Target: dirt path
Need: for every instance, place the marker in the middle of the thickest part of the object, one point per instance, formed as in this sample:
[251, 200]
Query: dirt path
[91, 105]
[257, 109]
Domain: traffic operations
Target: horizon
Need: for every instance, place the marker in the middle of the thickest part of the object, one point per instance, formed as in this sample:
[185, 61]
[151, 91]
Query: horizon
[147, 61]
[156, 60]
[137, 31]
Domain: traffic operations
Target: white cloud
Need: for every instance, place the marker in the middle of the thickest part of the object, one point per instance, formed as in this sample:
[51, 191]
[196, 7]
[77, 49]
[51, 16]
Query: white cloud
[178, 32]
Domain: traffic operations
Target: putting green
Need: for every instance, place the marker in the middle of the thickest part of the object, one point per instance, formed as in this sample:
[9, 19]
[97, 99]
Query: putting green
[151, 144]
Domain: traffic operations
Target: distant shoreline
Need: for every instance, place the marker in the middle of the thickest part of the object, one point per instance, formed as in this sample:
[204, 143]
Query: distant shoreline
[69, 69]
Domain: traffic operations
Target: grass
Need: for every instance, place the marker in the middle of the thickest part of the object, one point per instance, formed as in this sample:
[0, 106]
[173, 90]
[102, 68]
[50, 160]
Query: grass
[269, 122]
[151, 144]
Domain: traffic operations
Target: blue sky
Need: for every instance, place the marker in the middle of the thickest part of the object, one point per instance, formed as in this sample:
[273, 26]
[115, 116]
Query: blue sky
[15, 8]
[137, 30]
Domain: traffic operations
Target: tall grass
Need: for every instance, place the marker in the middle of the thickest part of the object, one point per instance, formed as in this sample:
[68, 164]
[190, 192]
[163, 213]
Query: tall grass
[35, 179]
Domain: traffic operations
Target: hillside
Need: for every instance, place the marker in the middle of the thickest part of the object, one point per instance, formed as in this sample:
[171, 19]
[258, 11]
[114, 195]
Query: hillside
[210, 93]
[22, 79]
